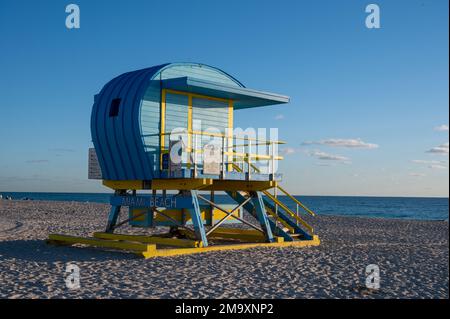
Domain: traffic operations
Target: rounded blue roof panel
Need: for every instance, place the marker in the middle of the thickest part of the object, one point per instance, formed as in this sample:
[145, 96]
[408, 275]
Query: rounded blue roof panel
[117, 137]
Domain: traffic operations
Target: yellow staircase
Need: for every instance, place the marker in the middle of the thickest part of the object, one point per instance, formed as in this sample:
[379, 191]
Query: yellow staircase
[289, 221]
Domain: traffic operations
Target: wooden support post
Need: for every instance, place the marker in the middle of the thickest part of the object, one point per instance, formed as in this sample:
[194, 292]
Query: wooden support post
[249, 154]
[262, 215]
[199, 228]
[223, 166]
[272, 161]
[195, 155]
[211, 198]
[112, 218]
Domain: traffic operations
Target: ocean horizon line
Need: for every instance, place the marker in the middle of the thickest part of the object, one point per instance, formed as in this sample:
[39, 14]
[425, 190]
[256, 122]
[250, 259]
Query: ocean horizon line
[424, 208]
[295, 195]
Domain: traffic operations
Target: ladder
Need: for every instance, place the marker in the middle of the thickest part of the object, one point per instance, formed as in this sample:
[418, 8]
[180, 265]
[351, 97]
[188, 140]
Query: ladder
[284, 222]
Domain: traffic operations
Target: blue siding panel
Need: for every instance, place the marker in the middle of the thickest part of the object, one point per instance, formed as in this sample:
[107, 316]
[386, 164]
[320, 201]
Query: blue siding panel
[104, 135]
[118, 141]
[124, 145]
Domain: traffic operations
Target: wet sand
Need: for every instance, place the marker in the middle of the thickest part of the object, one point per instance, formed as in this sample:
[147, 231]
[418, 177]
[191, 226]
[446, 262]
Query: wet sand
[412, 256]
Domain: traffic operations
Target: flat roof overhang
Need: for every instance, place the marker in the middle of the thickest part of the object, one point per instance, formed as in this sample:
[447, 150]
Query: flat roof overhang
[243, 98]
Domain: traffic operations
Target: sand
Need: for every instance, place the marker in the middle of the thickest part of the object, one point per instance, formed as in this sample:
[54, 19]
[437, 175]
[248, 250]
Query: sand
[412, 256]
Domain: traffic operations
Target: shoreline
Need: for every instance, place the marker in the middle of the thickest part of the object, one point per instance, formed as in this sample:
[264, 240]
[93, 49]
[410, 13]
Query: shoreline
[412, 255]
[331, 215]
[295, 195]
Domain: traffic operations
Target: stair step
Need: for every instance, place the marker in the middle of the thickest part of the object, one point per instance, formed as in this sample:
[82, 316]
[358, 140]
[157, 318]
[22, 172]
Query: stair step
[289, 212]
[281, 222]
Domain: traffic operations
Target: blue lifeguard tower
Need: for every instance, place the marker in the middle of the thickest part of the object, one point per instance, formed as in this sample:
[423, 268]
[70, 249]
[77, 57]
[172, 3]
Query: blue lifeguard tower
[164, 141]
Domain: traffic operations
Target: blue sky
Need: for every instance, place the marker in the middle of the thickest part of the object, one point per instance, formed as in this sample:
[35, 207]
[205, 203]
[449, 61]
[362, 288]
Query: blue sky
[349, 85]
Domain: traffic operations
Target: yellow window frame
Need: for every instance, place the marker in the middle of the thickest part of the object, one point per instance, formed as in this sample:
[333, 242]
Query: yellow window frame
[190, 131]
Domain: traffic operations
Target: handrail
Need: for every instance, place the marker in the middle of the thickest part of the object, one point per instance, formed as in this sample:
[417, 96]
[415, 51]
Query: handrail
[264, 142]
[287, 210]
[244, 156]
[296, 201]
[279, 203]
[240, 153]
[289, 195]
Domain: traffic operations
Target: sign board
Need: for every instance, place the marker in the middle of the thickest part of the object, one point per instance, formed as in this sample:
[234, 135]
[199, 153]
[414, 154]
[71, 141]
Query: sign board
[168, 201]
[94, 171]
[176, 158]
[211, 159]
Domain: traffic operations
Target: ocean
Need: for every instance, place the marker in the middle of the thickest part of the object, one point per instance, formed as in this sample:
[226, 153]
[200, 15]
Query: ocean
[381, 207]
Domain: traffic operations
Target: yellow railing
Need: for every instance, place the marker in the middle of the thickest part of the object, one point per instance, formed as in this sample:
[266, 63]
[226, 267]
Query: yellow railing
[277, 203]
[295, 200]
[246, 149]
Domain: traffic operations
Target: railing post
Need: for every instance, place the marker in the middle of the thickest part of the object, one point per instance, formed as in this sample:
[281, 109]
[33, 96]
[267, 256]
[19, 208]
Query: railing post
[276, 205]
[211, 207]
[249, 157]
[223, 158]
[195, 155]
[242, 158]
[273, 159]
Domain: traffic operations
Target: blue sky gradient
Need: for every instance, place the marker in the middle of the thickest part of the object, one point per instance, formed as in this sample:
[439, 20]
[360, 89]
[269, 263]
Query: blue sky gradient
[385, 86]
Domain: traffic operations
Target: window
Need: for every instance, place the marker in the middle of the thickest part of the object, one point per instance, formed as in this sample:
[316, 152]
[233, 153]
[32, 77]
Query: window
[114, 109]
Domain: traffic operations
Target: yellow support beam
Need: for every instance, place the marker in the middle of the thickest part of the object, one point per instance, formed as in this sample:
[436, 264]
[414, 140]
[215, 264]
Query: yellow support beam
[234, 185]
[150, 250]
[236, 233]
[122, 245]
[160, 184]
[191, 183]
[230, 133]
[116, 185]
[242, 237]
[163, 126]
[180, 183]
[151, 240]
[189, 128]
[187, 251]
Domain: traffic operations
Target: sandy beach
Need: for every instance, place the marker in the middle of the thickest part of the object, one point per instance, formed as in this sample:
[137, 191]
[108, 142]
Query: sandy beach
[412, 256]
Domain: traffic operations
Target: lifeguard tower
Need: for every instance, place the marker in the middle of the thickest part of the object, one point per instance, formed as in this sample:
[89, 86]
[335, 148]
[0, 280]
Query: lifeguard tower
[164, 141]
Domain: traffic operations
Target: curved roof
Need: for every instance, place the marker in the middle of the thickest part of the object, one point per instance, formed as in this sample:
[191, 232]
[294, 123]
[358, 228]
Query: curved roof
[118, 141]
[205, 66]
[118, 138]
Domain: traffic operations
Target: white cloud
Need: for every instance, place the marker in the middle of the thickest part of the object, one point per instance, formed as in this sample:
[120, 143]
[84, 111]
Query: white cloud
[440, 149]
[279, 117]
[348, 143]
[327, 157]
[37, 161]
[324, 164]
[417, 174]
[441, 128]
[69, 150]
[432, 162]
[437, 166]
[288, 151]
